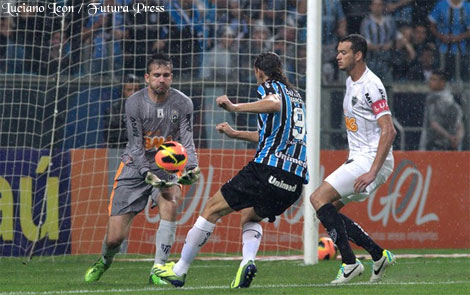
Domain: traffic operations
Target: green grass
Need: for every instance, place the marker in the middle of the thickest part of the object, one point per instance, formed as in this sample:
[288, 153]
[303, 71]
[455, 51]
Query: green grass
[64, 275]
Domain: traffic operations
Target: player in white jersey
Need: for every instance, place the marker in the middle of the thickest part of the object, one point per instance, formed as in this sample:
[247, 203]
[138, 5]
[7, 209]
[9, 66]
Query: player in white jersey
[370, 162]
[154, 114]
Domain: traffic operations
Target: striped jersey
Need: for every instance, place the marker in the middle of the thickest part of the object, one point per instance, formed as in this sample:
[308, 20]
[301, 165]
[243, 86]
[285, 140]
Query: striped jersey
[149, 124]
[452, 19]
[282, 135]
[365, 101]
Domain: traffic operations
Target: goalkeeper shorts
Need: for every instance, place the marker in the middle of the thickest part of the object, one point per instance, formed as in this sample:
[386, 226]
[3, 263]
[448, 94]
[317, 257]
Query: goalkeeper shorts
[131, 193]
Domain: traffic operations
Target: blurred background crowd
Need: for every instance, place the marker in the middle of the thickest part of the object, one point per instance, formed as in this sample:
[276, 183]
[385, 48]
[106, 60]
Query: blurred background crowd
[217, 39]
[419, 42]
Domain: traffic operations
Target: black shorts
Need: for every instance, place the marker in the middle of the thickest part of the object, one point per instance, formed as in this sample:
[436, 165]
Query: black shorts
[269, 190]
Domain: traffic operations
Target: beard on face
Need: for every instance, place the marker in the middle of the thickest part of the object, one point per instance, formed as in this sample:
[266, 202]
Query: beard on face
[160, 89]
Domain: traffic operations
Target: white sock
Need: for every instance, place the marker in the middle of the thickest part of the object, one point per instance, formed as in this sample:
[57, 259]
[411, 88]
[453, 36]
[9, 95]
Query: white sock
[252, 232]
[164, 240]
[196, 238]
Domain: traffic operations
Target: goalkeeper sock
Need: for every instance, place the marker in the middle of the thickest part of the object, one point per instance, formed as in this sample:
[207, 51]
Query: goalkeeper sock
[108, 253]
[252, 232]
[358, 236]
[164, 240]
[335, 227]
[196, 238]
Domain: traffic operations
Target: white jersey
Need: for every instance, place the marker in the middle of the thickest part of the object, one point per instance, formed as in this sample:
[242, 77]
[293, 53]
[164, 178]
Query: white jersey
[365, 101]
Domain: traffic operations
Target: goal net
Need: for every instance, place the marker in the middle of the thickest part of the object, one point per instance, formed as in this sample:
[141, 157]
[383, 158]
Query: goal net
[66, 68]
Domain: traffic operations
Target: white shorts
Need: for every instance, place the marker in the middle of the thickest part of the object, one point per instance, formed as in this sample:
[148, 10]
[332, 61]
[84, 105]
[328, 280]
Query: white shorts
[343, 178]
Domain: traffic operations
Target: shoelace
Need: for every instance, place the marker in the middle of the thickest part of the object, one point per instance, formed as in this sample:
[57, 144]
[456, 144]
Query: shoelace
[340, 271]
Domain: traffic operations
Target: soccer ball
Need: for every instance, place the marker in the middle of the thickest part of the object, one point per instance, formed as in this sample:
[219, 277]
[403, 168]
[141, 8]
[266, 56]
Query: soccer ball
[326, 249]
[171, 156]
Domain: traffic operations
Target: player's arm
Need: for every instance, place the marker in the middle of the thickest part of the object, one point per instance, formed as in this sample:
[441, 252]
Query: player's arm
[192, 172]
[271, 103]
[225, 127]
[135, 137]
[387, 136]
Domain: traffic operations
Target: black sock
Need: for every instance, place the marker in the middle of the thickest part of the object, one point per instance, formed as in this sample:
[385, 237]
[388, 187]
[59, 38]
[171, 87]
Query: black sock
[358, 236]
[335, 227]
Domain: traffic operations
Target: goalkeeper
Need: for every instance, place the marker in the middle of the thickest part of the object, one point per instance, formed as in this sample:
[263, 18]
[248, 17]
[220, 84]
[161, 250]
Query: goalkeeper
[267, 185]
[154, 114]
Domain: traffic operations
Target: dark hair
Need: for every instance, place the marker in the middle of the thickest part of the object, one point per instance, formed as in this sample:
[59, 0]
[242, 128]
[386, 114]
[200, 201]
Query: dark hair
[442, 74]
[358, 43]
[130, 78]
[270, 63]
[159, 59]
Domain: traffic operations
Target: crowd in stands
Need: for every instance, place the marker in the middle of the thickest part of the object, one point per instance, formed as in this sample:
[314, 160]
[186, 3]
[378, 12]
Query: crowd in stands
[217, 39]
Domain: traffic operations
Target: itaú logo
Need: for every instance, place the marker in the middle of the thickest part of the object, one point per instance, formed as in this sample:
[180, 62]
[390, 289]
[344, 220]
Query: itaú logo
[280, 184]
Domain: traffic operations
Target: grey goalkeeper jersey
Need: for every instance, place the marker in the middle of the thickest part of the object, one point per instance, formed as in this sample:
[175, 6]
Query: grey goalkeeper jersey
[150, 123]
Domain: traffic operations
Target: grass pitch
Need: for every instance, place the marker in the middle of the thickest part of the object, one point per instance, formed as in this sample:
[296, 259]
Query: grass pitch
[64, 275]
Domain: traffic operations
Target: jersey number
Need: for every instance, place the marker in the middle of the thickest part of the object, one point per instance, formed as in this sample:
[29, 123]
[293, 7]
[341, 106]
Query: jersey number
[299, 124]
[350, 123]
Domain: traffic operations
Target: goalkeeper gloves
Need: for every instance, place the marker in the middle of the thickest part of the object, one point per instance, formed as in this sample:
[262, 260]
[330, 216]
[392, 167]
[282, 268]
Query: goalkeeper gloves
[155, 181]
[190, 176]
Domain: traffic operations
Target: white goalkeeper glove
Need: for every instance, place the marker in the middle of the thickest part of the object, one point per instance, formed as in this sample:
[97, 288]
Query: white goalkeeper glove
[155, 181]
[190, 176]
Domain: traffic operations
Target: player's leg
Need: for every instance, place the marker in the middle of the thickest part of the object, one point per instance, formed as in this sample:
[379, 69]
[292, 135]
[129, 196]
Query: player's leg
[197, 236]
[117, 231]
[168, 201]
[252, 233]
[322, 200]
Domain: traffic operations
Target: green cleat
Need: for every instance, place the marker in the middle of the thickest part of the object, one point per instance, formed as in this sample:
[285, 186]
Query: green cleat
[154, 278]
[244, 276]
[166, 274]
[95, 272]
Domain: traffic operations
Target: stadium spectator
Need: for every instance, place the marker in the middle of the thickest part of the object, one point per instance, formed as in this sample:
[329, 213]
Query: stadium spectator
[115, 134]
[30, 39]
[260, 41]
[334, 27]
[236, 18]
[450, 24]
[443, 128]
[6, 43]
[264, 188]
[220, 63]
[187, 36]
[370, 161]
[153, 115]
[52, 55]
[285, 44]
[355, 11]
[148, 32]
[401, 11]
[104, 33]
[380, 33]
[424, 65]
[420, 38]
[404, 53]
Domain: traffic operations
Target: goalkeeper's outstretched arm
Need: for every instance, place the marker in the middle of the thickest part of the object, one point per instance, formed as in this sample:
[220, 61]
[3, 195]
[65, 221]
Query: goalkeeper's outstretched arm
[225, 127]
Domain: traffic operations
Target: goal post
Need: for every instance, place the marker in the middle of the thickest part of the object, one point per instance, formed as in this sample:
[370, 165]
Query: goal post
[313, 99]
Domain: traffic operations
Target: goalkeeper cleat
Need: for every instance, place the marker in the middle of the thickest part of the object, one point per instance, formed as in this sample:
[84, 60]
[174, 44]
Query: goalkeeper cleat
[244, 276]
[348, 271]
[378, 269]
[165, 273]
[95, 272]
[155, 279]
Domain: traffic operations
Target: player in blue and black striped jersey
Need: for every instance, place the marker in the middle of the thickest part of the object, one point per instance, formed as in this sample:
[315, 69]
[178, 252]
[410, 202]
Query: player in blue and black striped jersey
[268, 185]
